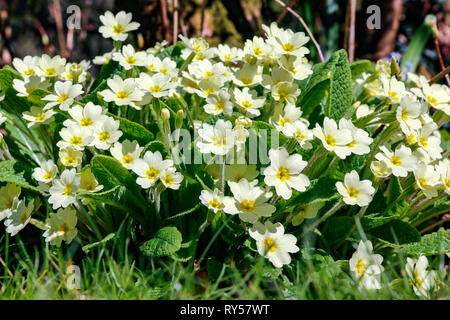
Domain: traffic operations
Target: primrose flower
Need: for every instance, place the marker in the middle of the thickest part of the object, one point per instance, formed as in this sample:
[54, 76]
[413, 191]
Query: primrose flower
[437, 95]
[366, 265]
[50, 67]
[408, 113]
[212, 200]
[46, 172]
[284, 173]
[63, 191]
[300, 131]
[290, 115]
[286, 92]
[427, 179]
[380, 169]
[228, 55]
[248, 101]
[74, 136]
[158, 85]
[286, 42]
[149, 169]
[76, 72]
[117, 26]
[361, 140]
[106, 133]
[421, 279]
[37, 116]
[401, 161]
[218, 103]
[65, 94]
[88, 116]
[197, 45]
[275, 246]
[25, 87]
[171, 178]
[26, 67]
[355, 191]
[429, 139]
[9, 198]
[249, 201]
[19, 217]
[247, 76]
[256, 48]
[392, 89]
[443, 168]
[104, 58]
[126, 152]
[88, 182]
[129, 58]
[334, 139]
[206, 69]
[218, 139]
[122, 92]
[70, 157]
[296, 66]
[61, 226]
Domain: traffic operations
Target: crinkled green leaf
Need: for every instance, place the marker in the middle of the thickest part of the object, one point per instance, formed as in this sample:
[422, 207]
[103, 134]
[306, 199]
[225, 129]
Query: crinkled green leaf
[322, 189]
[18, 173]
[134, 131]
[430, 244]
[166, 242]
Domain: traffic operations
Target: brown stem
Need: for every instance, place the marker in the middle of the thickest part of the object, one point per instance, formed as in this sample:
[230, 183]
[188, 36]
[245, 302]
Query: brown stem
[165, 20]
[319, 51]
[351, 31]
[175, 21]
[440, 75]
[285, 11]
[441, 61]
[59, 28]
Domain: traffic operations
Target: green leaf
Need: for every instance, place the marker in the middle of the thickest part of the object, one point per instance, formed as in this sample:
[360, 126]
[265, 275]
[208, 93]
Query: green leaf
[107, 71]
[154, 146]
[133, 131]
[430, 244]
[115, 197]
[396, 232]
[395, 189]
[341, 88]
[439, 207]
[88, 247]
[18, 173]
[415, 48]
[11, 102]
[322, 189]
[359, 67]
[313, 97]
[35, 97]
[166, 242]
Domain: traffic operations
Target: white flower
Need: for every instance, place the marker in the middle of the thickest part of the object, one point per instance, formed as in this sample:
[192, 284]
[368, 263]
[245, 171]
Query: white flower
[286, 42]
[392, 89]
[218, 103]
[276, 76]
[129, 58]
[361, 140]
[106, 133]
[437, 95]
[428, 138]
[26, 67]
[103, 59]
[126, 152]
[300, 131]
[205, 69]
[88, 182]
[65, 94]
[380, 169]
[284, 173]
[37, 116]
[275, 246]
[227, 54]
[363, 110]
[334, 139]
[421, 279]
[366, 266]
[19, 218]
[218, 139]
[76, 72]
[355, 191]
[50, 67]
[427, 179]
[63, 191]
[248, 75]
[171, 178]
[167, 67]
[443, 168]
[2, 118]
[158, 85]
[248, 201]
[256, 48]
[70, 157]
[212, 200]
[149, 169]
[46, 172]
[122, 92]
[9, 198]
[27, 86]
[118, 26]
[408, 113]
[286, 92]
[61, 226]
[158, 47]
[207, 86]
[401, 161]
[88, 116]
[291, 114]
[197, 45]
[296, 66]
[248, 101]
[75, 136]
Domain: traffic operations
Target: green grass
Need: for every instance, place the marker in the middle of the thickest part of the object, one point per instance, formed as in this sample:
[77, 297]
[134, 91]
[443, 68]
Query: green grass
[37, 272]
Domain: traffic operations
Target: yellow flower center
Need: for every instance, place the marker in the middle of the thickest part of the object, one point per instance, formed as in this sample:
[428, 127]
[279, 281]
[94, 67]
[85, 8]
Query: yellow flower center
[40, 117]
[122, 94]
[288, 47]
[118, 29]
[214, 204]
[168, 180]
[29, 72]
[404, 115]
[300, 135]
[417, 280]
[351, 144]
[208, 92]
[219, 105]
[200, 57]
[283, 121]
[63, 98]
[432, 100]
[163, 71]
[330, 140]
[131, 60]
[209, 74]
[76, 140]
[155, 88]
[238, 176]
[48, 175]
[257, 51]
[393, 95]
[352, 192]
[422, 182]
[64, 229]
[412, 139]
[152, 173]
[247, 205]
[270, 245]
[104, 136]
[423, 142]
[447, 183]
[246, 104]
[86, 122]
[127, 159]
[395, 160]
[68, 189]
[228, 57]
[246, 81]
[360, 266]
[50, 71]
[283, 174]
[89, 185]
[70, 160]
[219, 142]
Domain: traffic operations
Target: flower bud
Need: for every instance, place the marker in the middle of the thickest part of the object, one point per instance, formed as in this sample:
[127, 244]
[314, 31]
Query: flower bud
[165, 114]
[243, 121]
[179, 119]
